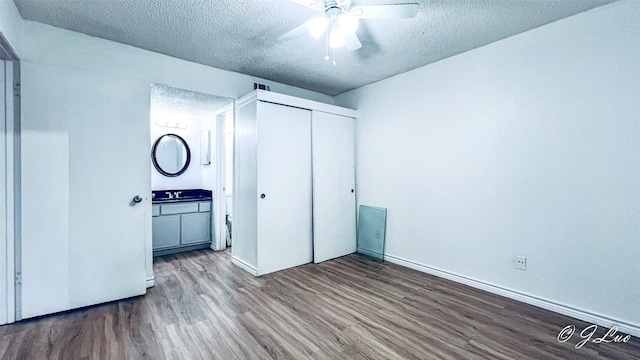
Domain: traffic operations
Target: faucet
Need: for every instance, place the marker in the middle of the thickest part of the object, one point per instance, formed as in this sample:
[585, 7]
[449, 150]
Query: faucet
[169, 195]
[177, 194]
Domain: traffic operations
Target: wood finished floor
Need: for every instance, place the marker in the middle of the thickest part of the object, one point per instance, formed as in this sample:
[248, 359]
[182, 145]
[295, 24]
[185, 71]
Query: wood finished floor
[202, 307]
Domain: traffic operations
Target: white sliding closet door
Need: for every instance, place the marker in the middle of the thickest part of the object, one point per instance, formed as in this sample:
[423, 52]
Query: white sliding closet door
[334, 215]
[284, 187]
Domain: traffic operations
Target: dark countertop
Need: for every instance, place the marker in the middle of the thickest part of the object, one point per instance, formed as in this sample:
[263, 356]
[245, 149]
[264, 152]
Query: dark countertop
[171, 201]
[169, 196]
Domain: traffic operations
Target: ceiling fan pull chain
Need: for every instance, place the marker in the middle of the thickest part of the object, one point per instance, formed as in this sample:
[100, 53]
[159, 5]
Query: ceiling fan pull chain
[326, 49]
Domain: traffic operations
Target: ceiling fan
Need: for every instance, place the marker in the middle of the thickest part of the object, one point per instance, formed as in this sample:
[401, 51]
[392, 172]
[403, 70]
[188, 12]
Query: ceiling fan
[339, 21]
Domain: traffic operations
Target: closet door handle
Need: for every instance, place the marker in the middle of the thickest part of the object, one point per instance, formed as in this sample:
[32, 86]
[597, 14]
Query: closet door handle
[263, 196]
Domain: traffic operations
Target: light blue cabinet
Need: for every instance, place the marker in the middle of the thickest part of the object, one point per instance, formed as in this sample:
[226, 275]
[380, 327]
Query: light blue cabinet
[181, 227]
[166, 231]
[196, 228]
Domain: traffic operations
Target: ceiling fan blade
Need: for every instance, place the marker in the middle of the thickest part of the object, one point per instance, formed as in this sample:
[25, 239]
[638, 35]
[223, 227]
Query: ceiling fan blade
[351, 42]
[344, 3]
[300, 30]
[392, 11]
[311, 4]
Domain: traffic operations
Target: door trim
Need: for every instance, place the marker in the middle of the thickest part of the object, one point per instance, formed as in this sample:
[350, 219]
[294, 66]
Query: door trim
[218, 218]
[10, 180]
[5, 273]
[10, 174]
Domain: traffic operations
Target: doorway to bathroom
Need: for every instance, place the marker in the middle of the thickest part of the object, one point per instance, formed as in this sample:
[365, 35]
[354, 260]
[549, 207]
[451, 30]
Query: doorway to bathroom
[226, 175]
[190, 177]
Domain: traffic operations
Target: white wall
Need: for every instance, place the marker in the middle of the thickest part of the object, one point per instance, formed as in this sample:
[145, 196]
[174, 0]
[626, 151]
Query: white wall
[528, 146]
[190, 179]
[11, 25]
[208, 172]
[43, 44]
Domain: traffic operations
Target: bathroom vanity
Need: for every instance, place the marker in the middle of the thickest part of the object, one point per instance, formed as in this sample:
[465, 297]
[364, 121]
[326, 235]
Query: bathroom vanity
[181, 220]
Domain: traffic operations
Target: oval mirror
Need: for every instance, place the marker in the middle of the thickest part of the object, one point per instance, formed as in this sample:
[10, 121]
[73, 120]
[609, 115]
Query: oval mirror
[170, 155]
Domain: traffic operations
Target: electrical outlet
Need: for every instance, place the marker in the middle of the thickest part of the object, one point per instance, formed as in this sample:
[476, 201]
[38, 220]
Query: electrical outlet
[521, 263]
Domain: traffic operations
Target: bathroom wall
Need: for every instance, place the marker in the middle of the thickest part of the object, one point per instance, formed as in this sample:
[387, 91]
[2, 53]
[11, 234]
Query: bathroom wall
[190, 179]
[208, 172]
[188, 114]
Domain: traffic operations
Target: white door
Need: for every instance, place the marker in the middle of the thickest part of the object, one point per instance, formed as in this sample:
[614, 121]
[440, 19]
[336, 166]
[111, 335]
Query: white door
[284, 187]
[334, 213]
[85, 155]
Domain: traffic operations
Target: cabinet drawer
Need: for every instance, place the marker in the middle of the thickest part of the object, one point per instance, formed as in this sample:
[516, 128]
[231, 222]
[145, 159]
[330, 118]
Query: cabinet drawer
[155, 210]
[204, 206]
[178, 208]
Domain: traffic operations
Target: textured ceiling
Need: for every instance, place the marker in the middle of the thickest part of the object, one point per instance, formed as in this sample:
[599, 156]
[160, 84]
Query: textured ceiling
[187, 104]
[241, 35]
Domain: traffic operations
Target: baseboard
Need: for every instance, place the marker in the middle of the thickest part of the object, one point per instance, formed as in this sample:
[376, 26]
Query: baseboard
[151, 282]
[179, 249]
[623, 327]
[246, 267]
[370, 253]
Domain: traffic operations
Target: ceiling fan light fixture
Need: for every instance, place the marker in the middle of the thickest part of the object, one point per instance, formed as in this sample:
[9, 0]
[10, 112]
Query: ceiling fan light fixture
[340, 22]
[317, 26]
[348, 23]
[336, 37]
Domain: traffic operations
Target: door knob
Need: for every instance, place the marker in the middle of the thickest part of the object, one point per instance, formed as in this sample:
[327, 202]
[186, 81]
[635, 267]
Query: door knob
[136, 199]
[263, 196]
